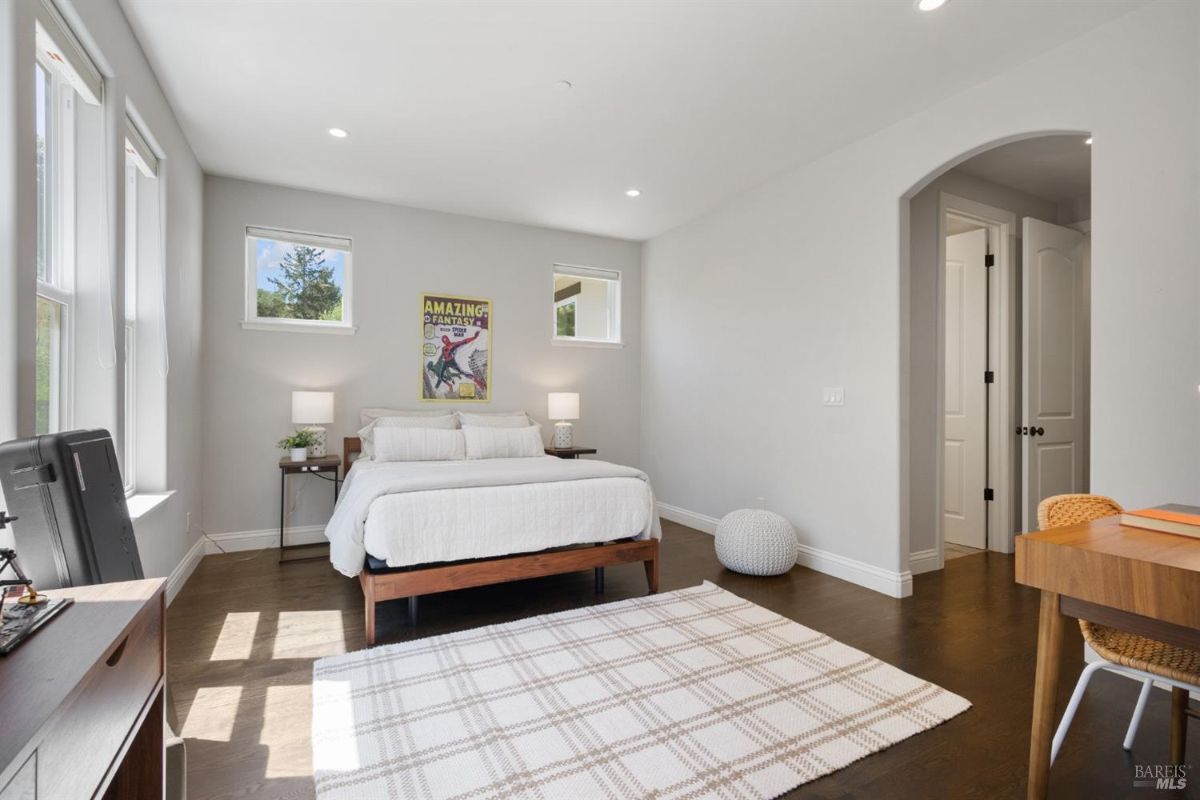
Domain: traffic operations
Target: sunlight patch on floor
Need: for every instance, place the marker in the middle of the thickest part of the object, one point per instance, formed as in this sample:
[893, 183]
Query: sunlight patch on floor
[309, 634]
[341, 752]
[213, 713]
[287, 723]
[236, 639]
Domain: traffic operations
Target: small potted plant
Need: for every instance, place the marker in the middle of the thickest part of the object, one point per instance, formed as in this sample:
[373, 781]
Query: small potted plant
[298, 443]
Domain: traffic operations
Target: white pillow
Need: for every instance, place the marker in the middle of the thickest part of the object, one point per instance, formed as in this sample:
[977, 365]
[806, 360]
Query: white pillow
[419, 444]
[366, 415]
[367, 434]
[485, 442]
[508, 419]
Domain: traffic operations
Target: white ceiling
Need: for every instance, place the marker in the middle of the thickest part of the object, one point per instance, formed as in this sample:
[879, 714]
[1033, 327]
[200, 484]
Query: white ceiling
[453, 105]
[1057, 168]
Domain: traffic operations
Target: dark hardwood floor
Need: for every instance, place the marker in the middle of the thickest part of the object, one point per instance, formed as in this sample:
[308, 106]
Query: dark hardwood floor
[243, 633]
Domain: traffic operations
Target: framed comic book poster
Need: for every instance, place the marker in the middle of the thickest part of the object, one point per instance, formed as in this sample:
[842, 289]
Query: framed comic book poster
[456, 348]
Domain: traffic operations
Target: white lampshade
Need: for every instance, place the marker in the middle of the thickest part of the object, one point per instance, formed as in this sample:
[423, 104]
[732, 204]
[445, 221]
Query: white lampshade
[312, 407]
[563, 405]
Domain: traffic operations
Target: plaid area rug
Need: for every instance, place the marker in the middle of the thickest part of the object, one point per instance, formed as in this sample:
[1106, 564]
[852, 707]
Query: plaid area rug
[689, 694]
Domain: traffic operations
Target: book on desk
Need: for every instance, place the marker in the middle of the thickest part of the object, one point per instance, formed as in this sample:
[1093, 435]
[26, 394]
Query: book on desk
[1173, 518]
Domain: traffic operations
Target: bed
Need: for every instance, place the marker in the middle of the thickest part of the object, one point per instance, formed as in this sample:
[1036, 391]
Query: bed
[412, 528]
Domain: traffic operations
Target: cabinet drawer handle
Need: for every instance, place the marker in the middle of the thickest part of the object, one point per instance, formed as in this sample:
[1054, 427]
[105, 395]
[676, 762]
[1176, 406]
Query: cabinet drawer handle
[116, 656]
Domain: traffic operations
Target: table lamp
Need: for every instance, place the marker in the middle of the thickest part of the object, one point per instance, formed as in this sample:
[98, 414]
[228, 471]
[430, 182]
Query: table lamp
[562, 407]
[311, 409]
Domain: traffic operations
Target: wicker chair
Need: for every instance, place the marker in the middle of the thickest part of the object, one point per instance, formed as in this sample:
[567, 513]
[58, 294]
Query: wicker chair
[1127, 653]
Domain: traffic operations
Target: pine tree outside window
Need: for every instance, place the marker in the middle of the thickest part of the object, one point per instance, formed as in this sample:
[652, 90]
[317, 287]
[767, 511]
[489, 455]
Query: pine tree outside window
[297, 281]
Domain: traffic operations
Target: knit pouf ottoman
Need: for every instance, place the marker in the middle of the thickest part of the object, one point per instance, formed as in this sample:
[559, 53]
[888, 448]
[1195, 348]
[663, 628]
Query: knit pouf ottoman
[756, 542]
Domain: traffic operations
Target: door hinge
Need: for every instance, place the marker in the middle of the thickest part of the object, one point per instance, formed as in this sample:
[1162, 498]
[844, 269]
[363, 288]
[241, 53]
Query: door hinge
[989, 260]
[989, 495]
[989, 377]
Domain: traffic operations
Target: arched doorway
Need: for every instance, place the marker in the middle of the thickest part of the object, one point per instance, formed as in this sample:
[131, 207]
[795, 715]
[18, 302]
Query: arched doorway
[991, 353]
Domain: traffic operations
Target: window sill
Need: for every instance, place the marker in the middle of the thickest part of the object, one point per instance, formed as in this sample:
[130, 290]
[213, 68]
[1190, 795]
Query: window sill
[560, 342]
[299, 327]
[143, 503]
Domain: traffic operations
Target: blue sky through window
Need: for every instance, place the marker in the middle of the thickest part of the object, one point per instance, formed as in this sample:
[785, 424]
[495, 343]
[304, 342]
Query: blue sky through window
[269, 252]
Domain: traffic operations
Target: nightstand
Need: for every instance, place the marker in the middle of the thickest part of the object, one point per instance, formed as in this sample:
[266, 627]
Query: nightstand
[321, 467]
[570, 452]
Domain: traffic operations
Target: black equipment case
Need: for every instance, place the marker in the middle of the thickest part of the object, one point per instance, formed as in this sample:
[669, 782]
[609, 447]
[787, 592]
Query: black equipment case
[72, 526]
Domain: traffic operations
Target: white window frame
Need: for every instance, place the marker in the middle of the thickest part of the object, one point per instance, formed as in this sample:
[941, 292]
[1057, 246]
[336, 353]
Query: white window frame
[59, 284]
[129, 445]
[613, 278]
[251, 320]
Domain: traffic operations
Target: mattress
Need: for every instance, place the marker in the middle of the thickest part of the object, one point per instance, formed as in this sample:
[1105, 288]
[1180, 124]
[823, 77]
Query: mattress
[568, 505]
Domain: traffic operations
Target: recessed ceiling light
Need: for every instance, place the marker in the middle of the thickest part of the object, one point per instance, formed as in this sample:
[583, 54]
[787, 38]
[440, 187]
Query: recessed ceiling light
[1088, 140]
[930, 5]
[633, 192]
[338, 133]
[564, 86]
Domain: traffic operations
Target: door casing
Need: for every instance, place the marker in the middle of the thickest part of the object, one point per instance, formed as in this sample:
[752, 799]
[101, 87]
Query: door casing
[1002, 358]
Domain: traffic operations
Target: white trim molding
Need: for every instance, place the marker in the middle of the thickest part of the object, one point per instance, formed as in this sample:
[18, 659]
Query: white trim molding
[884, 581]
[691, 519]
[924, 561]
[184, 569]
[265, 539]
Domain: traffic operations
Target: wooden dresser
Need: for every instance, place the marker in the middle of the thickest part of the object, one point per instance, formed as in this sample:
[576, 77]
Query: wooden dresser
[81, 700]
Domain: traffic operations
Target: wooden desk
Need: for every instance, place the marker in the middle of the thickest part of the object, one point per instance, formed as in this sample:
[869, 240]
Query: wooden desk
[82, 699]
[1127, 578]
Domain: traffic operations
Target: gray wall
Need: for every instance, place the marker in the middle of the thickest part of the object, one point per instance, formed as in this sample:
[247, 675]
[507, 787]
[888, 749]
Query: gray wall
[803, 283]
[163, 535]
[398, 253]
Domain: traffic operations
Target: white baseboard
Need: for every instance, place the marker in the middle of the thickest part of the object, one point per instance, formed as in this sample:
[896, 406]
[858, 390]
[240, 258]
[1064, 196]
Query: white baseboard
[267, 538]
[183, 570]
[884, 581]
[701, 522]
[893, 584]
[923, 561]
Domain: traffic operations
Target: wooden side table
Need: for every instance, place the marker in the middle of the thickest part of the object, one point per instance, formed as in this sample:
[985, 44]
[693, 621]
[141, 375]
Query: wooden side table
[314, 466]
[570, 452]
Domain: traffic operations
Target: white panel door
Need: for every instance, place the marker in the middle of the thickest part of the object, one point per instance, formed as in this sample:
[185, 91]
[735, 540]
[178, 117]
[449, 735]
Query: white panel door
[964, 450]
[1054, 347]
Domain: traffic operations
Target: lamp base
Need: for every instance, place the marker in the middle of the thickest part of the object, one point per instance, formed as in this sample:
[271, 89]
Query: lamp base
[318, 449]
[563, 435]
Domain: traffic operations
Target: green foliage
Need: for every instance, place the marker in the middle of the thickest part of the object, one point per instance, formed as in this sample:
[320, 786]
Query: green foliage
[300, 438]
[565, 317]
[304, 289]
[44, 363]
[271, 305]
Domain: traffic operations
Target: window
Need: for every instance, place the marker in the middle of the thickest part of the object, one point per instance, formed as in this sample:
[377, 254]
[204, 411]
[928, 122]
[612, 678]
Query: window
[297, 281]
[587, 306]
[145, 364]
[64, 75]
[54, 142]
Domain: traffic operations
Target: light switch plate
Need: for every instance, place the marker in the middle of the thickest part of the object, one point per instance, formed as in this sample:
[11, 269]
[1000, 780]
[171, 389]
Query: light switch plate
[833, 396]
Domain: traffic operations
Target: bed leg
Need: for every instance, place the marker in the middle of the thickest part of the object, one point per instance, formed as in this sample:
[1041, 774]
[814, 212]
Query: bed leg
[368, 590]
[412, 611]
[651, 565]
[599, 573]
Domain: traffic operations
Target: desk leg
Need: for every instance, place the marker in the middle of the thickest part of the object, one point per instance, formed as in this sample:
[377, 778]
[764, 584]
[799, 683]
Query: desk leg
[1045, 691]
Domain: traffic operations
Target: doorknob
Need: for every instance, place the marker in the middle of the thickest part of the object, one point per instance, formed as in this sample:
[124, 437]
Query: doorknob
[1038, 431]
[1022, 431]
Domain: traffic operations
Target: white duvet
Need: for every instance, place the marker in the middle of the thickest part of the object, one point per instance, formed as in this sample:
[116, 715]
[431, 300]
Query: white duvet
[422, 512]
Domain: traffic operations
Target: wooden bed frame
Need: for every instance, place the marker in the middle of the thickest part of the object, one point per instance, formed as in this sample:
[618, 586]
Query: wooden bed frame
[411, 582]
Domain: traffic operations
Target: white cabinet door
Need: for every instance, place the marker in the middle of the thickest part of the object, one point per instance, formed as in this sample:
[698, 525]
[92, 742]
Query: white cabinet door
[964, 450]
[1054, 347]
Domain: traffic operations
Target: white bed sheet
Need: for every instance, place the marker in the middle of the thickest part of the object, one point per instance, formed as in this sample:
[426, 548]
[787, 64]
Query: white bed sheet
[479, 521]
